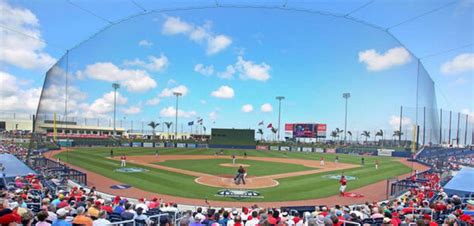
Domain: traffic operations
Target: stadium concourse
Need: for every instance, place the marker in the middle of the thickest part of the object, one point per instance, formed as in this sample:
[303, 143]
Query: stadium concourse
[44, 200]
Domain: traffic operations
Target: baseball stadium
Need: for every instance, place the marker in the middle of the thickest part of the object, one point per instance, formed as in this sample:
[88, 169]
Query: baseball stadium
[236, 113]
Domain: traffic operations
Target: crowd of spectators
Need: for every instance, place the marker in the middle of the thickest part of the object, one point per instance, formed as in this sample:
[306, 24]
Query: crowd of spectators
[11, 148]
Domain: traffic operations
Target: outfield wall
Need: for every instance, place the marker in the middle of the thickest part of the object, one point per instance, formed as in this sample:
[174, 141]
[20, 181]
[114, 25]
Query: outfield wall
[350, 151]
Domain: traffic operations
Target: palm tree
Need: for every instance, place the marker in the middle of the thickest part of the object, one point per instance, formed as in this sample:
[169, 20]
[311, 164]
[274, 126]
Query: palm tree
[153, 126]
[168, 125]
[380, 134]
[366, 134]
[399, 134]
[334, 135]
[350, 135]
[260, 131]
[339, 131]
[274, 131]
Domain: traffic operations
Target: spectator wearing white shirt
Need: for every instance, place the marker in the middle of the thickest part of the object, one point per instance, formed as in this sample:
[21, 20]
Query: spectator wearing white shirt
[102, 219]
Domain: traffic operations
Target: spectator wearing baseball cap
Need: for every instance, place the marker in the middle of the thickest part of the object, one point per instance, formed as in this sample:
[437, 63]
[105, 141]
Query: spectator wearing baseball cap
[81, 218]
[141, 204]
[61, 219]
[254, 221]
[94, 210]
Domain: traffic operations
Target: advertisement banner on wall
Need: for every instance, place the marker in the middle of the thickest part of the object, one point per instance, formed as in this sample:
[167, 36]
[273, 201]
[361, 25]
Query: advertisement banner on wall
[330, 150]
[136, 144]
[262, 147]
[201, 146]
[191, 145]
[307, 149]
[159, 145]
[321, 130]
[274, 148]
[181, 145]
[319, 150]
[284, 148]
[125, 144]
[148, 145]
[385, 152]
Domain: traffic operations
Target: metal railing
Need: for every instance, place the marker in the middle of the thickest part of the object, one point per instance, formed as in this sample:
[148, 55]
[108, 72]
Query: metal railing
[344, 223]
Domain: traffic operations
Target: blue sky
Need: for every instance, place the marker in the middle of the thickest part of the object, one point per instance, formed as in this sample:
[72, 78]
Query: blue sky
[232, 62]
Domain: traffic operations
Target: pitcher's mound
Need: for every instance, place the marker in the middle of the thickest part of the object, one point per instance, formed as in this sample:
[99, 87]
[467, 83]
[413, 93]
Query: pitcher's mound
[233, 165]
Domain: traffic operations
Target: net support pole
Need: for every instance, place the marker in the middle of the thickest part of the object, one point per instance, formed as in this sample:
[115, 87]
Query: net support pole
[424, 126]
[400, 126]
[449, 128]
[441, 126]
[457, 130]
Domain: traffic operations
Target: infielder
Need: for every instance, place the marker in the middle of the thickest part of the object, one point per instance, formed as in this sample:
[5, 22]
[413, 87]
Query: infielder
[123, 161]
[233, 159]
[321, 161]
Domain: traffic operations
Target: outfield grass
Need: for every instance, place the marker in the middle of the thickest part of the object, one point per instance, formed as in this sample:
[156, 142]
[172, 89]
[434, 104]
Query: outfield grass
[212, 166]
[294, 188]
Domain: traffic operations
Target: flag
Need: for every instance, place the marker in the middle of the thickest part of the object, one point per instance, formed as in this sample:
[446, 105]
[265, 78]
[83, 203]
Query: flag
[260, 123]
[270, 126]
[199, 121]
[191, 123]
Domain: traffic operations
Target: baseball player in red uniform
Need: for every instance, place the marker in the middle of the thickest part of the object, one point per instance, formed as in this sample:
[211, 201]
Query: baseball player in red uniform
[343, 182]
[123, 161]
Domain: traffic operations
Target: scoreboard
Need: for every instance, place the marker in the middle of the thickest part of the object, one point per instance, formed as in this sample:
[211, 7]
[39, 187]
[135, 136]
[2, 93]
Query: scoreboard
[305, 130]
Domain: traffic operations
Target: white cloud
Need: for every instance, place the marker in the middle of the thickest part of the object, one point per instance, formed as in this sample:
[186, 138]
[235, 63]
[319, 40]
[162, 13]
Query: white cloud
[132, 110]
[204, 70]
[104, 104]
[378, 62]
[266, 107]
[153, 101]
[217, 44]
[203, 101]
[153, 64]
[228, 73]
[171, 112]
[145, 43]
[250, 70]
[15, 98]
[225, 92]
[174, 25]
[133, 80]
[17, 49]
[167, 92]
[200, 34]
[394, 122]
[8, 84]
[247, 108]
[461, 63]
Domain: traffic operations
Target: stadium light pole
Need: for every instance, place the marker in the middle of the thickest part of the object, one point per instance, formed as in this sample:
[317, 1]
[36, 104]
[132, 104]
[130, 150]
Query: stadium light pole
[345, 96]
[177, 94]
[115, 86]
[279, 98]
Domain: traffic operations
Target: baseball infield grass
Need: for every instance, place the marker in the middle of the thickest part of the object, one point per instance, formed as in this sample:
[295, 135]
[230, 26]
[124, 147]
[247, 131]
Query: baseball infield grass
[292, 188]
[212, 166]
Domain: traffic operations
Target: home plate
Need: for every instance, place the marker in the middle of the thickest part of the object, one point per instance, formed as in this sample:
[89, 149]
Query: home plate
[352, 195]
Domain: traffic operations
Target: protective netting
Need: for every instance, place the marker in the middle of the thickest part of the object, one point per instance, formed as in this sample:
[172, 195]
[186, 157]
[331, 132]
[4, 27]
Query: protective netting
[78, 97]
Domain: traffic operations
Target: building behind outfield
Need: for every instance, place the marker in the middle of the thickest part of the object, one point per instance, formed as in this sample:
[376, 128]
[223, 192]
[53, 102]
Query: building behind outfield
[232, 137]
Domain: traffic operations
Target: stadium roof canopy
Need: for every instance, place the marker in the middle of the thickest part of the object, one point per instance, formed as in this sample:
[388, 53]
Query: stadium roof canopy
[461, 184]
